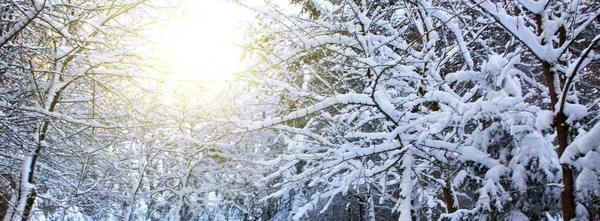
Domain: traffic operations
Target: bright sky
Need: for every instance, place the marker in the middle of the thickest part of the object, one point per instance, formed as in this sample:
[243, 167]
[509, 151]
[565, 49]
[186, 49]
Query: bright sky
[201, 41]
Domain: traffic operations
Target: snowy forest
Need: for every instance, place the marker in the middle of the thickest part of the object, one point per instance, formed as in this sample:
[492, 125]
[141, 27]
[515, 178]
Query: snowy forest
[360, 110]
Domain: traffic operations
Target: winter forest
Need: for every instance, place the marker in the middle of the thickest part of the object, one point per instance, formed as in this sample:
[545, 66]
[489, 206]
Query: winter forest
[360, 110]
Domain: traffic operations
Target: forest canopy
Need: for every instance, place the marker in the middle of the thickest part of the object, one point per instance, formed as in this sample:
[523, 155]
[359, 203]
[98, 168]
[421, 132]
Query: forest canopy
[299, 110]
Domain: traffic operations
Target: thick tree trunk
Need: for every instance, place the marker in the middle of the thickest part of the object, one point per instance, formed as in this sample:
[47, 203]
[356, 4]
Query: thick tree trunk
[27, 193]
[562, 134]
[567, 195]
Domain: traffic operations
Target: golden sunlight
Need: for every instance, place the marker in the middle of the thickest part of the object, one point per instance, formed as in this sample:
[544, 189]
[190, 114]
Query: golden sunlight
[202, 43]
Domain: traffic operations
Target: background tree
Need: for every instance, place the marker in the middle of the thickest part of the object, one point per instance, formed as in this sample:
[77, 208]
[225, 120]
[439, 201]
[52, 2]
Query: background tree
[64, 104]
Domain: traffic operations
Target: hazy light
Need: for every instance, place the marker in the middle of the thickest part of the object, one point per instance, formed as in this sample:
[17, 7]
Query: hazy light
[202, 42]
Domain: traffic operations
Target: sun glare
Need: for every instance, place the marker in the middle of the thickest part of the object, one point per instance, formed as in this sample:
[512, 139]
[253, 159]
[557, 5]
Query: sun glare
[202, 43]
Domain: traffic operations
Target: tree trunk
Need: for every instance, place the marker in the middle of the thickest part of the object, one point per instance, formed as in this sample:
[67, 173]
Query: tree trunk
[562, 134]
[567, 195]
[448, 198]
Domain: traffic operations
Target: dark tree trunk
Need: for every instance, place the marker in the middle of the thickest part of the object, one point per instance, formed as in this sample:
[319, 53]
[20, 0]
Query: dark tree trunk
[562, 134]
[448, 198]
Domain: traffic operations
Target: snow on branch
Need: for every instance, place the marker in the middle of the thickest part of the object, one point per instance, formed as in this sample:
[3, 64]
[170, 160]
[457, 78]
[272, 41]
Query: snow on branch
[307, 133]
[56, 115]
[451, 23]
[536, 7]
[582, 146]
[576, 111]
[25, 20]
[516, 26]
[328, 102]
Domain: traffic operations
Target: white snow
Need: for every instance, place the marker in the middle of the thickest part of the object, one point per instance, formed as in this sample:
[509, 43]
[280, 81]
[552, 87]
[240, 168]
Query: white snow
[328, 102]
[582, 145]
[39, 4]
[535, 7]
[517, 26]
[517, 216]
[575, 112]
[544, 119]
[587, 184]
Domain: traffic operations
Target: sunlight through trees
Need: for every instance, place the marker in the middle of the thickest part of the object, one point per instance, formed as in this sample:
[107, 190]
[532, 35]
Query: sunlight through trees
[299, 110]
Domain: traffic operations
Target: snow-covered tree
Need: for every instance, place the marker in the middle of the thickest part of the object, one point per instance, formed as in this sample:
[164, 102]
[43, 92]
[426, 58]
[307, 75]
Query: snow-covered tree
[69, 81]
[426, 109]
[349, 109]
[558, 38]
